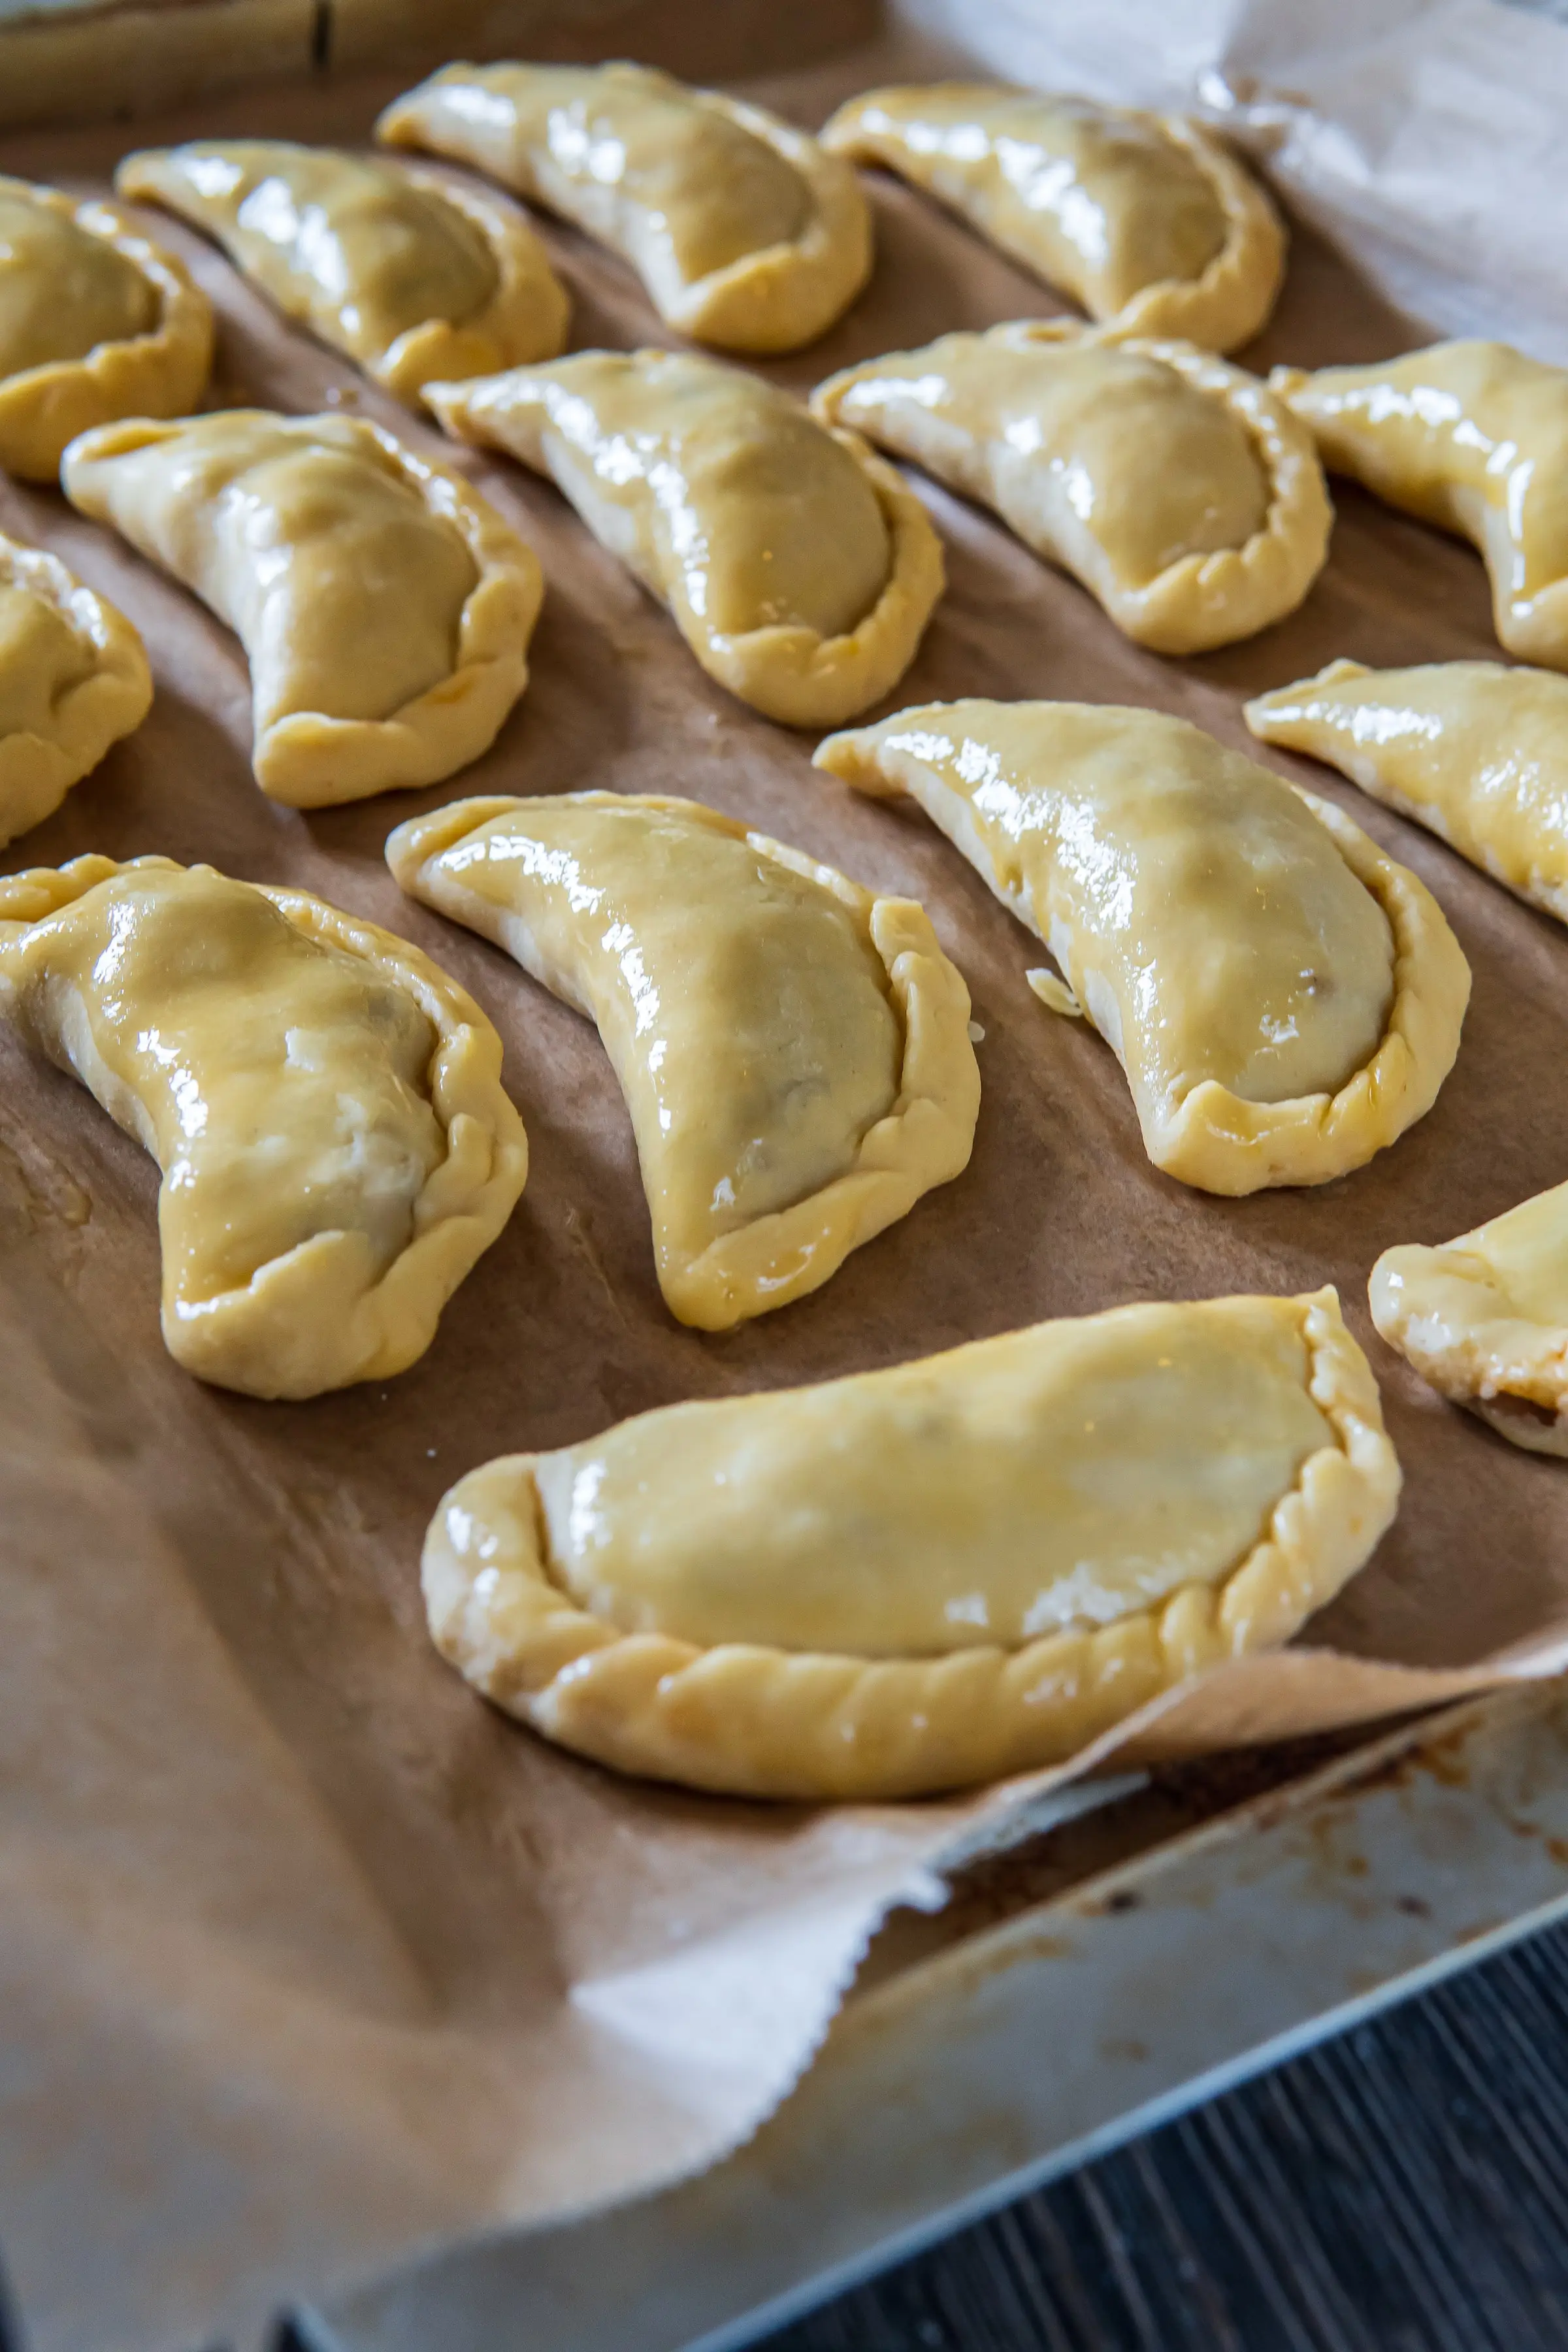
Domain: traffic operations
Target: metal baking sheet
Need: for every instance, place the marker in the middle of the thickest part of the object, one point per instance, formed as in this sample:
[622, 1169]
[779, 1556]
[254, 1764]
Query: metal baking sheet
[1026, 2050]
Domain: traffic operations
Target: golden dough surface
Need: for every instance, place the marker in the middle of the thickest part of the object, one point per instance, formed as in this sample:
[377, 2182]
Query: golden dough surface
[1476, 751]
[385, 607]
[916, 1578]
[297, 1078]
[798, 567]
[62, 289]
[755, 1007]
[1472, 436]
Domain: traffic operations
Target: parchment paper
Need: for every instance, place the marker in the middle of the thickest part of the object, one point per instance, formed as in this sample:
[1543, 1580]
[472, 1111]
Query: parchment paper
[307, 1958]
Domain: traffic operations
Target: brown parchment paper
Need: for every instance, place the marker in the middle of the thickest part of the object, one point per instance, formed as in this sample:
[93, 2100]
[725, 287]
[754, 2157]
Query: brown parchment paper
[307, 1958]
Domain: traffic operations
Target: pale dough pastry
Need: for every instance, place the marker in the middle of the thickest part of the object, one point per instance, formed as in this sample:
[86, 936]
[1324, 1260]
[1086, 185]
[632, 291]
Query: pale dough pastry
[1475, 752]
[1175, 488]
[96, 322]
[746, 234]
[73, 680]
[800, 569]
[325, 1106]
[1471, 436]
[1284, 999]
[1485, 1319]
[1147, 219]
[385, 606]
[794, 1052]
[918, 1579]
[409, 276]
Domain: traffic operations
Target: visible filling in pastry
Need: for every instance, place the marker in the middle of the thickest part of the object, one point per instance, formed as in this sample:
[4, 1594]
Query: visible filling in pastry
[62, 290]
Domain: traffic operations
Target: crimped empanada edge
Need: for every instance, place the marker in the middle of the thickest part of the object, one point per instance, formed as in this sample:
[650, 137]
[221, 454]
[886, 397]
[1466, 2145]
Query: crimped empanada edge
[293, 1331]
[923, 1139]
[1509, 1369]
[159, 373]
[310, 759]
[36, 770]
[750, 1721]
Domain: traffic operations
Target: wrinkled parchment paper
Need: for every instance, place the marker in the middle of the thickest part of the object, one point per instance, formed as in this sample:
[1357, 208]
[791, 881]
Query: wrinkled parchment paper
[307, 1959]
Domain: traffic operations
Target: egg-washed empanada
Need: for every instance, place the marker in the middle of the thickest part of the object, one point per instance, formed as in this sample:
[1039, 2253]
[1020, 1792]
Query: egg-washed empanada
[918, 1579]
[1284, 999]
[325, 1106]
[800, 569]
[385, 606]
[96, 324]
[1475, 752]
[1144, 218]
[793, 1051]
[746, 235]
[1471, 436]
[73, 680]
[1485, 1319]
[411, 277]
[1175, 488]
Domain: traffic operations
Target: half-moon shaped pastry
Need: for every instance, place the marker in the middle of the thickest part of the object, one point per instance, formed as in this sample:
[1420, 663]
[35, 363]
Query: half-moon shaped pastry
[1284, 999]
[800, 569]
[96, 324]
[1475, 752]
[745, 234]
[918, 1579]
[73, 680]
[1485, 1319]
[411, 277]
[1473, 437]
[1175, 488]
[793, 1051]
[325, 1106]
[1144, 218]
[385, 608]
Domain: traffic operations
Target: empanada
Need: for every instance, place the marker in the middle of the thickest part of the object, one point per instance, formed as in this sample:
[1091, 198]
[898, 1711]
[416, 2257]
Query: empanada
[745, 234]
[73, 680]
[384, 605]
[1175, 488]
[96, 324]
[411, 277]
[1485, 1319]
[325, 1106]
[917, 1578]
[793, 1051]
[800, 569]
[1144, 218]
[1473, 437]
[1283, 998]
[1476, 752]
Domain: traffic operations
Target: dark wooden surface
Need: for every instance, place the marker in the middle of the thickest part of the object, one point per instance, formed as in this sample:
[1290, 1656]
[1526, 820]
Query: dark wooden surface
[1401, 2188]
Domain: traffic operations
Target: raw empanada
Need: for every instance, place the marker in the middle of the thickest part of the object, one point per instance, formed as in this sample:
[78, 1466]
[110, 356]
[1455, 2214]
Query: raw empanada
[800, 569]
[1472, 437]
[921, 1578]
[411, 277]
[1144, 218]
[793, 1051]
[1485, 1319]
[1284, 999]
[745, 234]
[385, 608]
[1174, 486]
[95, 323]
[325, 1106]
[73, 680]
[1476, 752]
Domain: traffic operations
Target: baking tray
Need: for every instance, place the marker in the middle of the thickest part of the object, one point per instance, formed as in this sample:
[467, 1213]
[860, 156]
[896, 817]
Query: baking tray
[955, 2080]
